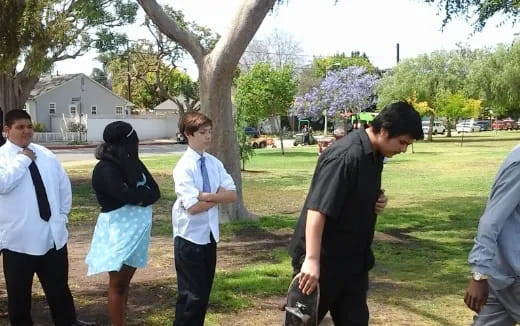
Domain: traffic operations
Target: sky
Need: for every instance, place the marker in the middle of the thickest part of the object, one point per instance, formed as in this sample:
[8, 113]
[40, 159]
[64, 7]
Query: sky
[324, 28]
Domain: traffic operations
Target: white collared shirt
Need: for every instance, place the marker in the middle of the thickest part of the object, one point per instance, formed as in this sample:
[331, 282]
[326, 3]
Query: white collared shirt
[187, 177]
[21, 227]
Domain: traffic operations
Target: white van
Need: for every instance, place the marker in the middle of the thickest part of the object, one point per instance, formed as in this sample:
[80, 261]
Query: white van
[438, 127]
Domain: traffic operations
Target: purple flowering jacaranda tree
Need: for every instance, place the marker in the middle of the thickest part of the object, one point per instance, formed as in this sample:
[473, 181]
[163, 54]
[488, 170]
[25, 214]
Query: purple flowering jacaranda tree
[350, 89]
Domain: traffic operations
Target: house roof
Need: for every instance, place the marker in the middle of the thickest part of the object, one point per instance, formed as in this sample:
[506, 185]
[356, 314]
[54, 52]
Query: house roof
[167, 105]
[49, 83]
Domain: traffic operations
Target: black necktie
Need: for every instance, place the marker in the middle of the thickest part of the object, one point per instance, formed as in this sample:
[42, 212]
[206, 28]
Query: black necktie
[41, 195]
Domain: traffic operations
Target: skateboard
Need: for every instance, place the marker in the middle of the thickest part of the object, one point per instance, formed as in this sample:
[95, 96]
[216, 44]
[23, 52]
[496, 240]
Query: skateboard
[301, 309]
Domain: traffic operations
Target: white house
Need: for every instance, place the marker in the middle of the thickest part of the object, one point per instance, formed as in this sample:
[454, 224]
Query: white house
[73, 97]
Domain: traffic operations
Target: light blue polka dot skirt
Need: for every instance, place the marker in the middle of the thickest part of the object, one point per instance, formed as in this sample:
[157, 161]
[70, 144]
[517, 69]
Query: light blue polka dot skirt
[121, 237]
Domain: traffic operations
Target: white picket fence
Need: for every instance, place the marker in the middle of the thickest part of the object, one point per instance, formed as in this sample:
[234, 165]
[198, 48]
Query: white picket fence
[54, 137]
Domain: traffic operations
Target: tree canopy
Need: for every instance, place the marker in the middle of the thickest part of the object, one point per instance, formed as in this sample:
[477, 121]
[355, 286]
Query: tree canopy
[339, 61]
[265, 91]
[350, 89]
[37, 33]
[478, 10]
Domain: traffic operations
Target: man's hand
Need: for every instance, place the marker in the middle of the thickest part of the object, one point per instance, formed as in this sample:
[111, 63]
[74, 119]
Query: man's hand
[476, 295]
[205, 196]
[309, 275]
[381, 202]
[29, 153]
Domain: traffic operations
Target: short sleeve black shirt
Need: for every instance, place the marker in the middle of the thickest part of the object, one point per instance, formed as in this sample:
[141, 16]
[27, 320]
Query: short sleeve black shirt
[345, 188]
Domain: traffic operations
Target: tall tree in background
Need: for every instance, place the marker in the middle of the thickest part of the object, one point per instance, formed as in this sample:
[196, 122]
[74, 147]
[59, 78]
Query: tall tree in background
[279, 49]
[265, 92]
[38, 33]
[339, 61]
[348, 90]
[216, 71]
[150, 79]
[495, 77]
[424, 77]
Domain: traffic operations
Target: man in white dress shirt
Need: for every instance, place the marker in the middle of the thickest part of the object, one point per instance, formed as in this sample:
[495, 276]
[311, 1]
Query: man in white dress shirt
[201, 183]
[35, 196]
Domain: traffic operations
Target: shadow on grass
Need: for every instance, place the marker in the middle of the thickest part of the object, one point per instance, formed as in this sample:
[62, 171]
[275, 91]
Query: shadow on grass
[475, 139]
[288, 154]
[430, 259]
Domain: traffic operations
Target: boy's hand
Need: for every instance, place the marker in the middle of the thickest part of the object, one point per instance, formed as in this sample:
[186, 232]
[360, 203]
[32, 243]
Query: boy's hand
[309, 275]
[381, 202]
[204, 196]
[29, 153]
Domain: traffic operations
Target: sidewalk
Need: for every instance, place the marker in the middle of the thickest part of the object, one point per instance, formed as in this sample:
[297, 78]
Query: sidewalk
[64, 145]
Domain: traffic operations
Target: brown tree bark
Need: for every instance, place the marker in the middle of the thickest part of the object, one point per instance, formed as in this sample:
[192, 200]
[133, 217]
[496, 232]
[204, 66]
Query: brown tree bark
[14, 90]
[215, 75]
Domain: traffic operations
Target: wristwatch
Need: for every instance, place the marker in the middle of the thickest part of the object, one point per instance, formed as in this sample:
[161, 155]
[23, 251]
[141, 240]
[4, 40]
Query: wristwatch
[479, 276]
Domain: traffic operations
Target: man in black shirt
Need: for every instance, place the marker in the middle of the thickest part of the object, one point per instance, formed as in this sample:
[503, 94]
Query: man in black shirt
[332, 240]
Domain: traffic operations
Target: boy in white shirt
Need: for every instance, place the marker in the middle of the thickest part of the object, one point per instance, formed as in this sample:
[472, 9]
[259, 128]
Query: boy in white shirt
[201, 183]
[35, 199]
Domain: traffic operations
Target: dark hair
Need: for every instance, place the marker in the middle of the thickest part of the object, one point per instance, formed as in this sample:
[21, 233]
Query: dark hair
[12, 116]
[121, 146]
[193, 121]
[399, 118]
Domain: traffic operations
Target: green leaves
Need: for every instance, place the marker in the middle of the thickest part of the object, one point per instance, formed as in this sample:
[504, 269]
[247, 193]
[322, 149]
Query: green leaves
[265, 91]
[41, 32]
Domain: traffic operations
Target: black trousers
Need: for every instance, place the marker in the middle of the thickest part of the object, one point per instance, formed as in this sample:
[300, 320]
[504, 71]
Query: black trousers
[53, 272]
[195, 266]
[344, 295]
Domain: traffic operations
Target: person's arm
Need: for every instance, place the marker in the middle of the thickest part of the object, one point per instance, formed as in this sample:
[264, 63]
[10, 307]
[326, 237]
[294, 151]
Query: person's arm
[108, 179]
[329, 188]
[153, 192]
[310, 271]
[187, 192]
[381, 202]
[221, 196]
[65, 190]
[12, 171]
[502, 201]
[226, 192]
[201, 206]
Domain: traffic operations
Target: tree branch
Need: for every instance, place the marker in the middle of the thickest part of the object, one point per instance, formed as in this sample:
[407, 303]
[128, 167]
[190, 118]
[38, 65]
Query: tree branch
[245, 24]
[171, 29]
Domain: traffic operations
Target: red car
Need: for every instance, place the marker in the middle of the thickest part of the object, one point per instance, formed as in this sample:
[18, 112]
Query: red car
[506, 124]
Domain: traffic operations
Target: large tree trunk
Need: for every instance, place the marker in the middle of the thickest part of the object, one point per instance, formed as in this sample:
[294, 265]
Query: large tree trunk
[216, 103]
[430, 130]
[14, 91]
[215, 75]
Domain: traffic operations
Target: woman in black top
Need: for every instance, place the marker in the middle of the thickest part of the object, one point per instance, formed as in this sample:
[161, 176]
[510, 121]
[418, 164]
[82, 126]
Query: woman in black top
[125, 191]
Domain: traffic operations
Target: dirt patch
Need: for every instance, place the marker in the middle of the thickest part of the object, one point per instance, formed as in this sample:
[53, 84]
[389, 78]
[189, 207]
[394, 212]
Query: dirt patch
[154, 288]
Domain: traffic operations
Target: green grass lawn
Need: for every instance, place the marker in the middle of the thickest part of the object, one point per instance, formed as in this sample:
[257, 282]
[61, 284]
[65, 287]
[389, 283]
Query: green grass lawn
[436, 196]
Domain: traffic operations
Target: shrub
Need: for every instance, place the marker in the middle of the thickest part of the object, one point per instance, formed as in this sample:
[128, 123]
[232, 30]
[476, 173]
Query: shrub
[39, 127]
[76, 127]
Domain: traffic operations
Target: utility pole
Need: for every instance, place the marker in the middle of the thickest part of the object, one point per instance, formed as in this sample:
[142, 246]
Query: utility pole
[129, 79]
[397, 51]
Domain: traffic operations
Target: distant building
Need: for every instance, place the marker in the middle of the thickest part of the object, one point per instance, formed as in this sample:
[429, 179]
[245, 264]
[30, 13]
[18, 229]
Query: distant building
[167, 107]
[73, 97]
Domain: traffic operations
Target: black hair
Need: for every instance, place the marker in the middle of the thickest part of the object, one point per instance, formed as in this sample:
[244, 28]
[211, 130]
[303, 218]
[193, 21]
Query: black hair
[399, 118]
[12, 116]
[121, 148]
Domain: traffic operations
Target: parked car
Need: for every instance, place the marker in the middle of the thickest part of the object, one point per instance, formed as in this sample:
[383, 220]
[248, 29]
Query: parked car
[181, 139]
[506, 124]
[467, 126]
[438, 127]
[484, 125]
[252, 132]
